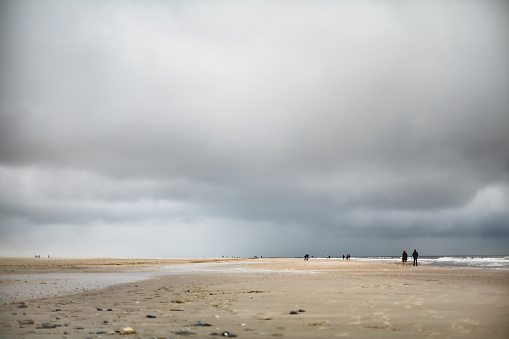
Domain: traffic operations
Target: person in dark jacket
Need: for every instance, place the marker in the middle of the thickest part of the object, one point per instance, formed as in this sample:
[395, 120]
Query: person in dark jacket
[415, 255]
[405, 258]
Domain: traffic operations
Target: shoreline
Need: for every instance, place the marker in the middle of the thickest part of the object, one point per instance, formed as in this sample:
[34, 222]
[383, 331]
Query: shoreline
[339, 299]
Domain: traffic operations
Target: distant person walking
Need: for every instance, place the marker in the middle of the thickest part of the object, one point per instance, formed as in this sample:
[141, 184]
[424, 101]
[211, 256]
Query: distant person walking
[306, 257]
[405, 257]
[415, 255]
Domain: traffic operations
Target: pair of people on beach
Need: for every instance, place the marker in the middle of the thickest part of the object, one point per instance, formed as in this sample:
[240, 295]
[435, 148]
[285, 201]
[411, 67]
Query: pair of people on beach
[415, 255]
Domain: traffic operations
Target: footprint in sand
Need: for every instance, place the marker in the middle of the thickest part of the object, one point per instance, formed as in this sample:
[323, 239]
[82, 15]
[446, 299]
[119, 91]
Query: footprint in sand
[419, 302]
[355, 321]
[434, 314]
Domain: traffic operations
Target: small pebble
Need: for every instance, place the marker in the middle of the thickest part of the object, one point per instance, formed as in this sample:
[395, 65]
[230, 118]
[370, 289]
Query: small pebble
[127, 330]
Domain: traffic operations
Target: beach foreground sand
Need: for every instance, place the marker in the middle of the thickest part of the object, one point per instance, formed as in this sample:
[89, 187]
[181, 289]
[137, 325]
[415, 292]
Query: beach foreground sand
[257, 298]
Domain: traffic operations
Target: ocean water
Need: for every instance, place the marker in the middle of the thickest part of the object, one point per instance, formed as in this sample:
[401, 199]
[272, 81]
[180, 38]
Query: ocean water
[500, 262]
[487, 262]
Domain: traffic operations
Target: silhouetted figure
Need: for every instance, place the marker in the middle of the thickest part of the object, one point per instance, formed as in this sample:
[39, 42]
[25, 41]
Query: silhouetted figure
[415, 255]
[405, 258]
[306, 257]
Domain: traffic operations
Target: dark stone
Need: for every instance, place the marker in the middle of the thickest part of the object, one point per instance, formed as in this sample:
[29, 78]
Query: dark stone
[293, 312]
[46, 325]
[202, 324]
[228, 334]
[109, 310]
[185, 333]
[302, 310]
[99, 309]
[151, 316]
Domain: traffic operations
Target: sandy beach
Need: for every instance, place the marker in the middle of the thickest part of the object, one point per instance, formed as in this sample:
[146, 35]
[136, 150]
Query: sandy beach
[249, 298]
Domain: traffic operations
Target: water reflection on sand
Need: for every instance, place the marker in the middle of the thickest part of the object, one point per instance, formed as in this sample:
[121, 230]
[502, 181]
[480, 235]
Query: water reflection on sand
[20, 287]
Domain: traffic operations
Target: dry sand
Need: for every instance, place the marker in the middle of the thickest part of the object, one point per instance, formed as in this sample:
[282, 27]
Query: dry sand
[329, 298]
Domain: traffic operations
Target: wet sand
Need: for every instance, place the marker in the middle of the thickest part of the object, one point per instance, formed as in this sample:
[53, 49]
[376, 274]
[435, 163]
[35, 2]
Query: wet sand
[288, 298]
[27, 278]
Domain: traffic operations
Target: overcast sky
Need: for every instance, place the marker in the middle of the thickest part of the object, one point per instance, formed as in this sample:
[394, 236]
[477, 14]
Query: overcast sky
[243, 128]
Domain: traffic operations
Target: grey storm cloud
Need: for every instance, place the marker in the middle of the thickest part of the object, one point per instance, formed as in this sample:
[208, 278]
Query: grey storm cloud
[232, 128]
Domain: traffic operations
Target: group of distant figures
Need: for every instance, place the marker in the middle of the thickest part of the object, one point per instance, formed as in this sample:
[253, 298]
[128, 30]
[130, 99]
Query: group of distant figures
[415, 255]
[306, 257]
[38, 256]
[404, 257]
